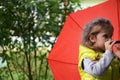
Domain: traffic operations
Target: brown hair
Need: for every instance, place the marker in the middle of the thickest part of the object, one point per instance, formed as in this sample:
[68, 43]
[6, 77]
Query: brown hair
[93, 28]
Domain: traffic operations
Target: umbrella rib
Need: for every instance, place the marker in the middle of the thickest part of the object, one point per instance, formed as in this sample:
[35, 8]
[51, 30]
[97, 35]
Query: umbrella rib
[63, 62]
[75, 22]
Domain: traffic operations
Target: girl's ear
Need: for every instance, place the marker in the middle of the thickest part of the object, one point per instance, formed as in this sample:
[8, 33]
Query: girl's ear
[92, 38]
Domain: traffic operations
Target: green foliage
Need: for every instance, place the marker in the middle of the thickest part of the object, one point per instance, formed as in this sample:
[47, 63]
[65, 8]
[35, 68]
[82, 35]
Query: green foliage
[26, 29]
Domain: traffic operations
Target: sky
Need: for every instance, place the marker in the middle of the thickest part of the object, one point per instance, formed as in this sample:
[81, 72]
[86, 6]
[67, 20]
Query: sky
[89, 3]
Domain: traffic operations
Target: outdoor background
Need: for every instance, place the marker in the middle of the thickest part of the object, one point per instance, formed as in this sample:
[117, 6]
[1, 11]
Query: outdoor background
[28, 31]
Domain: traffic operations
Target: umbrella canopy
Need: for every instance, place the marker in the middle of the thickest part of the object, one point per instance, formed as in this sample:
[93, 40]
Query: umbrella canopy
[63, 59]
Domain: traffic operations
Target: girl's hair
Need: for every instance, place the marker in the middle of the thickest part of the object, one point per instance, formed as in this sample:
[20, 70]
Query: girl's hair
[93, 28]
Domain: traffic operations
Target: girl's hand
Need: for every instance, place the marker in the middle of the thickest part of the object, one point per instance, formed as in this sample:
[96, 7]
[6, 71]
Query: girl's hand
[109, 44]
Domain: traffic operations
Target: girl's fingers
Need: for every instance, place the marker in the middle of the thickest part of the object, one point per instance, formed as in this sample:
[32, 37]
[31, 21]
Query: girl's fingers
[112, 43]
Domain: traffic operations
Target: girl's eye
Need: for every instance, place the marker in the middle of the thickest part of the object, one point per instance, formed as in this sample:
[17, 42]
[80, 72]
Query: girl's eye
[105, 36]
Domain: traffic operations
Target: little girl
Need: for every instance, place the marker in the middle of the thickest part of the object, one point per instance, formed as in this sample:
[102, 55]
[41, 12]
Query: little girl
[96, 58]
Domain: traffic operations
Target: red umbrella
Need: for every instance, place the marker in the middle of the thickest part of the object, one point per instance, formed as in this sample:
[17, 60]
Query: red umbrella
[63, 59]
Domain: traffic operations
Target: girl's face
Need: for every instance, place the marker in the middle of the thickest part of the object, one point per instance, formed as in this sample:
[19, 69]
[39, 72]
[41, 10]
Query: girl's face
[99, 41]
